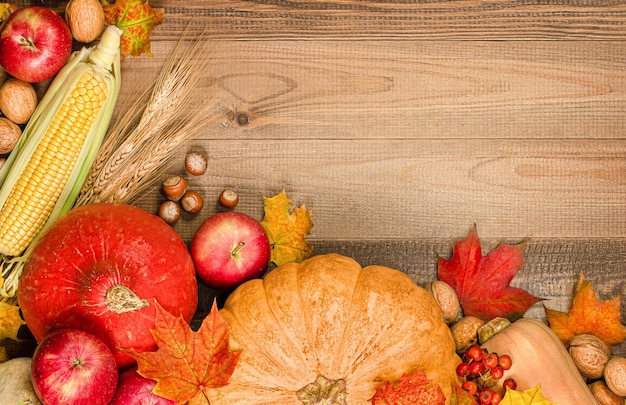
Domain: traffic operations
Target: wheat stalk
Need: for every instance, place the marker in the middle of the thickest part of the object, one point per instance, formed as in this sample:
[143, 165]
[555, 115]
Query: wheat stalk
[115, 137]
[140, 143]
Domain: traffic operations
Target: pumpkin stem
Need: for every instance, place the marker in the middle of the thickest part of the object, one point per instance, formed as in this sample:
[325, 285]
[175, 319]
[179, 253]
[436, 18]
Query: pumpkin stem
[121, 299]
[323, 392]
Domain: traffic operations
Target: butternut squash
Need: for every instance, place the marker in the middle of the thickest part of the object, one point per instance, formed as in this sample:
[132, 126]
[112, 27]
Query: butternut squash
[539, 357]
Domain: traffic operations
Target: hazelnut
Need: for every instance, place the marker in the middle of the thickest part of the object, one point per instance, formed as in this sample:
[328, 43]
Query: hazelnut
[18, 100]
[446, 298]
[86, 19]
[590, 355]
[615, 375]
[604, 395]
[174, 187]
[195, 163]
[192, 202]
[169, 211]
[10, 134]
[465, 332]
[229, 198]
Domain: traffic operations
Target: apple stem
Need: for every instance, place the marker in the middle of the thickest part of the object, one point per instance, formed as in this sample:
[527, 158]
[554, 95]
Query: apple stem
[27, 42]
[237, 248]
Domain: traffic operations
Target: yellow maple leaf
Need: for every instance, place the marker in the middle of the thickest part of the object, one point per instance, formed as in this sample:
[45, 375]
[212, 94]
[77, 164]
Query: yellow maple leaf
[588, 315]
[136, 19]
[287, 230]
[10, 321]
[5, 11]
[532, 396]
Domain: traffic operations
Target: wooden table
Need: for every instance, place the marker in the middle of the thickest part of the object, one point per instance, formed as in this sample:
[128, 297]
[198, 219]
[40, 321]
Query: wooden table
[403, 124]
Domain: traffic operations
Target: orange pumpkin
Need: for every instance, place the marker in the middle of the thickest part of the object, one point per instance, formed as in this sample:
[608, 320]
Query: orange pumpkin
[327, 328]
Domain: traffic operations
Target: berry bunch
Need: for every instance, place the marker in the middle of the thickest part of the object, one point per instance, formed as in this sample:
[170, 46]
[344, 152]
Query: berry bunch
[481, 370]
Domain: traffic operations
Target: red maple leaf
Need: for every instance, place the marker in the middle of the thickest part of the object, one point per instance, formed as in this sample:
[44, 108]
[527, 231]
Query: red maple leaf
[411, 389]
[187, 364]
[482, 282]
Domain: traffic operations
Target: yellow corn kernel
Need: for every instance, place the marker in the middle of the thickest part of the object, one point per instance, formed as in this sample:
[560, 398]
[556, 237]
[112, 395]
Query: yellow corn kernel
[34, 196]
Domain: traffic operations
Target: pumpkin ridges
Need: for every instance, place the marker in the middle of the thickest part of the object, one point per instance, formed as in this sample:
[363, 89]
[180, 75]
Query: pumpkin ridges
[282, 292]
[327, 328]
[275, 357]
[404, 345]
[294, 297]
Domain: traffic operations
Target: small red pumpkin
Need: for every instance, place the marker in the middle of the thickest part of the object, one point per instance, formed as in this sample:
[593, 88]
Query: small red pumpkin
[100, 268]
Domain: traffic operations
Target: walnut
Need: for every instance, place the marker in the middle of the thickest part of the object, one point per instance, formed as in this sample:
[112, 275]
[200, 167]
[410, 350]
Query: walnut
[615, 375]
[465, 332]
[590, 355]
[85, 19]
[446, 298]
[604, 395]
[18, 100]
[10, 133]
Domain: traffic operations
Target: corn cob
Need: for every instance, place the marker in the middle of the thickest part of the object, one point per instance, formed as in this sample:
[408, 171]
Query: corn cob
[43, 175]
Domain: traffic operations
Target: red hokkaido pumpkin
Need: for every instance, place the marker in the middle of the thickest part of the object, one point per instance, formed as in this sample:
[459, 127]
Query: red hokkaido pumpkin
[100, 268]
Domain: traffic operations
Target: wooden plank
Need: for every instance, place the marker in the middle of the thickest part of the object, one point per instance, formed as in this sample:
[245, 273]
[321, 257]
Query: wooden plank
[406, 189]
[408, 89]
[551, 269]
[428, 20]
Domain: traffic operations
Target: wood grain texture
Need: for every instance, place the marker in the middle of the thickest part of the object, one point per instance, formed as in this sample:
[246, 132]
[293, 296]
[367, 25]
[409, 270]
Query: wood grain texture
[429, 20]
[405, 189]
[412, 89]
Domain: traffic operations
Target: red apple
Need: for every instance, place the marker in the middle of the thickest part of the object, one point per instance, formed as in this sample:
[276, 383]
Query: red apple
[133, 389]
[71, 366]
[35, 43]
[230, 248]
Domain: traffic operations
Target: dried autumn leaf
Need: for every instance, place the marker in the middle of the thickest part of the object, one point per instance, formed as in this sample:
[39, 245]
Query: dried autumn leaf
[287, 230]
[532, 396]
[187, 364]
[5, 10]
[588, 315]
[4, 356]
[136, 20]
[482, 282]
[411, 389]
[460, 396]
[10, 321]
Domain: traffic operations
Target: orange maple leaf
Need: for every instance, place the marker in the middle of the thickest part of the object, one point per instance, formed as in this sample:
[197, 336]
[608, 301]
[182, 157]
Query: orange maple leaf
[187, 364]
[136, 20]
[411, 389]
[588, 315]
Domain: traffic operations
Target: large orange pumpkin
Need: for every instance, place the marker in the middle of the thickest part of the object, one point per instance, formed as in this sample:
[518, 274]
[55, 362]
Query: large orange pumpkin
[328, 326]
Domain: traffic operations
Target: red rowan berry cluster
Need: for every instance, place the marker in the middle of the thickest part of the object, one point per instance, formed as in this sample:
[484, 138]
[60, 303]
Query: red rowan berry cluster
[481, 370]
